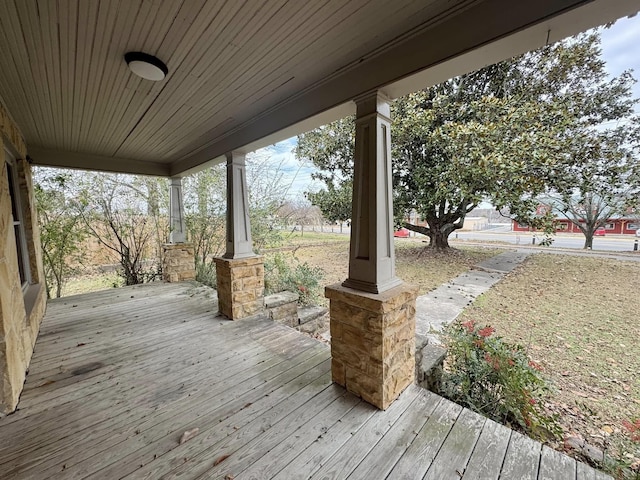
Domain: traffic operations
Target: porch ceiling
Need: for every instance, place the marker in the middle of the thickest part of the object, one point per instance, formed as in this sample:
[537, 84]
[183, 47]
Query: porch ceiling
[241, 74]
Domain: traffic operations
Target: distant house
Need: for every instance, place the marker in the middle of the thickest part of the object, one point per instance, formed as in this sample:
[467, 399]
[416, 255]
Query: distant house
[619, 226]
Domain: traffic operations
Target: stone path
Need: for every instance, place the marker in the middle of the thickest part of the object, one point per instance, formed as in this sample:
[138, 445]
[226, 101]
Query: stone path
[441, 306]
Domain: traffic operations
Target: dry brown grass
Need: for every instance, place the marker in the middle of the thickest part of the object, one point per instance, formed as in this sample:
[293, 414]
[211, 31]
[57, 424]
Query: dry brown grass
[579, 318]
[414, 262]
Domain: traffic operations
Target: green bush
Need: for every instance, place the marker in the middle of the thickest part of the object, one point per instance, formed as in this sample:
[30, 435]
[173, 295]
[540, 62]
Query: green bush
[206, 273]
[282, 274]
[496, 379]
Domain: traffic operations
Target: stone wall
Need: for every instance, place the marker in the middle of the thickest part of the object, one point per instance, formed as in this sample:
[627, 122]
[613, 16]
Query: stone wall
[240, 285]
[283, 308]
[178, 262]
[20, 311]
[373, 341]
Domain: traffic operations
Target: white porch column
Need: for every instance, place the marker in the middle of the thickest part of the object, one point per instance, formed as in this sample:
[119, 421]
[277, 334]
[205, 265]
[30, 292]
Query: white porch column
[239, 244]
[372, 256]
[177, 234]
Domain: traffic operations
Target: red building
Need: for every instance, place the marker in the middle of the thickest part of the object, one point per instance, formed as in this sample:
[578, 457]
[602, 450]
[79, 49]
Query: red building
[613, 226]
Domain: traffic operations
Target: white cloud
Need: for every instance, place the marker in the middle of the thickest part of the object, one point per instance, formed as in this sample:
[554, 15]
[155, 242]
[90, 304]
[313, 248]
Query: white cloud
[295, 174]
[620, 48]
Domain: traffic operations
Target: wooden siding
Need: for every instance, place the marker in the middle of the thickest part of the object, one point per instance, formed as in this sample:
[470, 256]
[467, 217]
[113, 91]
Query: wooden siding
[119, 376]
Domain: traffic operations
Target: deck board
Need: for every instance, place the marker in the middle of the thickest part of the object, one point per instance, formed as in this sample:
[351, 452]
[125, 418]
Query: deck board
[486, 461]
[556, 466]
[417, 459]
[382, 458]
[118, 376]
[522, 458]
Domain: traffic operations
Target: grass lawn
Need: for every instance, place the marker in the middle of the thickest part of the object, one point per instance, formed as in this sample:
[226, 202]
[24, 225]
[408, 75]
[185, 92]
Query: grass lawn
[308, 236]
[414, 263]
[91, 283]
[579, 318]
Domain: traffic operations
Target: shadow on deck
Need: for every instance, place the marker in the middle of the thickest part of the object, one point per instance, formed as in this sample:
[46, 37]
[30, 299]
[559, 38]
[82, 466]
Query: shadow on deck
[118, 376]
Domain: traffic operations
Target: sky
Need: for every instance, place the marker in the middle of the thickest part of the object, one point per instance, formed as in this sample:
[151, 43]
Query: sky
[620, 50]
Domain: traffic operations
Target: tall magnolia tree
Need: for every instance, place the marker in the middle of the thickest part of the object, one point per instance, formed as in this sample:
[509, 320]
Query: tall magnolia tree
[508, 133]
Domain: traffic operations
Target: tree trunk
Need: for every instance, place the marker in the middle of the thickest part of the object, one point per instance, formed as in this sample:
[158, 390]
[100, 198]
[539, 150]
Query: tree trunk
[439, 238]
[588, 241]
[58, 288]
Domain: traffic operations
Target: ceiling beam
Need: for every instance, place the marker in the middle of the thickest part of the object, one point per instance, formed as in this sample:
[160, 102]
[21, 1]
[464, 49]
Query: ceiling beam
[87, 161]
[401, 67]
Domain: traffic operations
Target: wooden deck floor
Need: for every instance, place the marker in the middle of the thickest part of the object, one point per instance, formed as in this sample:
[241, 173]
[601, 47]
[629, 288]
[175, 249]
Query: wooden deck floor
[119, 376]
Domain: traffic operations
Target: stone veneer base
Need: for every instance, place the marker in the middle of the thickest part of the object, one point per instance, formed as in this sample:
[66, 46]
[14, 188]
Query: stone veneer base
[240, 284]
[373, 341]
[178, 262]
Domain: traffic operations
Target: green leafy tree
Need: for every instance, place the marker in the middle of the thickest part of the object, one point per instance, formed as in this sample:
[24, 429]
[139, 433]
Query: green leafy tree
[62, 231]
[507, 133]
[205, 206]
[334, 202]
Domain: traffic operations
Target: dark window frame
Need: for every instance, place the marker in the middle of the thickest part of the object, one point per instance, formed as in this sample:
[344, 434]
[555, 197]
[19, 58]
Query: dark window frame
[16, 198]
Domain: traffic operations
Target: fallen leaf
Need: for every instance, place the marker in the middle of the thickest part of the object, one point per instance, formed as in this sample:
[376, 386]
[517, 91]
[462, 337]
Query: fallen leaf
[188, 435]
[81, 345]
[221, 459]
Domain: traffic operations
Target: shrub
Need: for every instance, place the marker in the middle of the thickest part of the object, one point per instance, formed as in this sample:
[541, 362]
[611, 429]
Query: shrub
[496, 379]
[282, 274]
[206, 273]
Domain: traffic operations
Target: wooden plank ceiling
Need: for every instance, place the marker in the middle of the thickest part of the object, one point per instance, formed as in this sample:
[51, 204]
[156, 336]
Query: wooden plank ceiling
[238, 70]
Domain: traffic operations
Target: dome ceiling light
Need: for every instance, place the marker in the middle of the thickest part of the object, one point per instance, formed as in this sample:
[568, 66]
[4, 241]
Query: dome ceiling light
[146, 66]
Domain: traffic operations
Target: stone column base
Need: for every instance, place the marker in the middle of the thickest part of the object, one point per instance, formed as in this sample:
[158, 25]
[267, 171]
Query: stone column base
[240, 284]
[373, 341]
[178, 262]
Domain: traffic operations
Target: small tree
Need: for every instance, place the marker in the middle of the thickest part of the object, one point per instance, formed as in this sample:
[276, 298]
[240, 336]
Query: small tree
[117, 217]
[604, 182]
[62, 230]
[205, 205]
[205, 210]
[299, 212]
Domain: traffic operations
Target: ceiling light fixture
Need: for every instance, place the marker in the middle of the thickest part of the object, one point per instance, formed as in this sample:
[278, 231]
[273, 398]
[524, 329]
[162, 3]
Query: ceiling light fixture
[146, 66]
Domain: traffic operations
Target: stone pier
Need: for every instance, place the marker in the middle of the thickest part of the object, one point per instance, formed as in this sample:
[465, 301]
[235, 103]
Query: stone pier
[373, 341]
[178, 262]
[240, 285]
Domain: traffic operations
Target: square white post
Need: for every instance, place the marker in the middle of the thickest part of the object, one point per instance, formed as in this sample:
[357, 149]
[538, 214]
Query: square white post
[372, 256]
